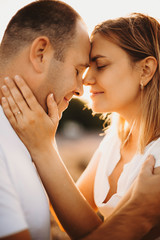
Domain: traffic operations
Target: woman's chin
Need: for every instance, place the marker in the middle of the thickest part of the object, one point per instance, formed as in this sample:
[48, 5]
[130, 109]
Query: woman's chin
[98, 109]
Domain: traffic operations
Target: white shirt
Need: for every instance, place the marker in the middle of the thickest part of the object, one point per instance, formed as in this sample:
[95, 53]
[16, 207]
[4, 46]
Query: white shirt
[23, 201]
[110, 156]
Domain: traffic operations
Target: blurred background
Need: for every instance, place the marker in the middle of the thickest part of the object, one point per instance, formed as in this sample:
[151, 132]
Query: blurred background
[78, 137]
[78, 134]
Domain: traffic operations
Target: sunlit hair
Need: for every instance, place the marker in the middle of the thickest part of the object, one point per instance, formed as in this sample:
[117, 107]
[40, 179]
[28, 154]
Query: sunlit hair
[54, 19]
[139, 36]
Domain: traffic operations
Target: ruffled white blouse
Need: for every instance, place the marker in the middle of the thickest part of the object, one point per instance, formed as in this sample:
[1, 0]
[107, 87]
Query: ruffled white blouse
[110, 156]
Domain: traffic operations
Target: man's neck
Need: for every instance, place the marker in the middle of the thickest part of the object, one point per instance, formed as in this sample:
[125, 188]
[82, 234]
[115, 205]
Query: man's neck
[5, 71]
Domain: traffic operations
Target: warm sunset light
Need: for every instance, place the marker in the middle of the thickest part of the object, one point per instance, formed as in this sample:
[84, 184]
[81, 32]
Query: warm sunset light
[92, 12]
[68, 165]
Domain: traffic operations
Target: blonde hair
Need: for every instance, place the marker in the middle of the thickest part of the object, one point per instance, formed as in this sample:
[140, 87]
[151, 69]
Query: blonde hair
[139, 36]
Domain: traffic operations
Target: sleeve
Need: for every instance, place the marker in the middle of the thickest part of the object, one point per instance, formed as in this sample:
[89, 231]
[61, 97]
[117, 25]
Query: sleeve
[11, 215]
[155, 151]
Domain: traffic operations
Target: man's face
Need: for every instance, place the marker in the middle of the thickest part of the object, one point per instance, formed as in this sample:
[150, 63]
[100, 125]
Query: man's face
[65, 78]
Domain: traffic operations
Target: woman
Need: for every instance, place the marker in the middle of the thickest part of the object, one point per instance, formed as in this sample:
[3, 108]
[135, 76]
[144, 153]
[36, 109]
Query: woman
[124, 79]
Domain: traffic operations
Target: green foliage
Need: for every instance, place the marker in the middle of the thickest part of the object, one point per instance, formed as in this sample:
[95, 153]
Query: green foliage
[78, 113]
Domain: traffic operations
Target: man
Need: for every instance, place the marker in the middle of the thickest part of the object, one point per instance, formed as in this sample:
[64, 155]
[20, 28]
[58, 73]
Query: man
[47, 43]
[34, 45]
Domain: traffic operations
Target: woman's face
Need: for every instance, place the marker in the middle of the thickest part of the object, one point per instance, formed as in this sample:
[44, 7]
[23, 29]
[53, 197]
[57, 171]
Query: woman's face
[114, 82]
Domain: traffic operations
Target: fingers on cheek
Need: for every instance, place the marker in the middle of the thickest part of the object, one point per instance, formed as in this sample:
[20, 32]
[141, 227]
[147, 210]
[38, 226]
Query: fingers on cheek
[5, 105]
[7, 110]
[4, 101]
[5, 90]
[7, 95]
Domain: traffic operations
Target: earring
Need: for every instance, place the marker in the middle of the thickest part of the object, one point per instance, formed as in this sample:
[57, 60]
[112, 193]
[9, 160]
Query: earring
[142, 86]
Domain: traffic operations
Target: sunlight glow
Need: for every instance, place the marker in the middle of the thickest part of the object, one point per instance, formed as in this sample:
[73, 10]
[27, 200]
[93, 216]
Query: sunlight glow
[93, 12]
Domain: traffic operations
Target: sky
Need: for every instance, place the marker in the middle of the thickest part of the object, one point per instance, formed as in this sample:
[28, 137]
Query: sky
[92, 11]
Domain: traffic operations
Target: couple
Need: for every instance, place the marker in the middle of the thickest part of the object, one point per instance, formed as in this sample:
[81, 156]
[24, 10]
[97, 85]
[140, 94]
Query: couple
[46, 43]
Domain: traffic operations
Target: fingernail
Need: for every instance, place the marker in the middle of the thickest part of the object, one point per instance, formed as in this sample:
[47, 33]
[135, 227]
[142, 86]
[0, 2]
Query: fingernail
[4, 88]
[17, 78]
[3, 99]
[7, 79]
[51, 96]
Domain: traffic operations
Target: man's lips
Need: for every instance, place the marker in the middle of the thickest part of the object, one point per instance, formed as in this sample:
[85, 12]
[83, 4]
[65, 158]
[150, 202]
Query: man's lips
[67, 99]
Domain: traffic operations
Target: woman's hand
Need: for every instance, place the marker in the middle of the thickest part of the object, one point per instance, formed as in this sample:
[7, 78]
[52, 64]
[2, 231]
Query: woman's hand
[34, 127]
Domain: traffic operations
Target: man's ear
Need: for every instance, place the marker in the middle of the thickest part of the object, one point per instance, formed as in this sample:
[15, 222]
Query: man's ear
[40, 53]
[148, 67]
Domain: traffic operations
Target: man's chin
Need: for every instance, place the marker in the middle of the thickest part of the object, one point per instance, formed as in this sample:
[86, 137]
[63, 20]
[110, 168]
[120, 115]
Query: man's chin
[60, 111]
[60, 115]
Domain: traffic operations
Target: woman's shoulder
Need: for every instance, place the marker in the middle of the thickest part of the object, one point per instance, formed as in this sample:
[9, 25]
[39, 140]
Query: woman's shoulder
[109, 144]
[110, 137]
[154, 149]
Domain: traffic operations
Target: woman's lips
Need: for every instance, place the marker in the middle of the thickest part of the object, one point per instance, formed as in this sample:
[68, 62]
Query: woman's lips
[95, 93]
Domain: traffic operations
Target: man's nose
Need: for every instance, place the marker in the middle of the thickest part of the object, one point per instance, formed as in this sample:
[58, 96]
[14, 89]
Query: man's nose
[79, 90]
[89, 79]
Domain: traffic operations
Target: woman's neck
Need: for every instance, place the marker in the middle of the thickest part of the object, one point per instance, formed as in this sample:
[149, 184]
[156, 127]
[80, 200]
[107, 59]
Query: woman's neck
[131, 140]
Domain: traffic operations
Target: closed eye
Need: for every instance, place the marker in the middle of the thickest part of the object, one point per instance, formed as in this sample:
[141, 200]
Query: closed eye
[77, 72]
[101, 67]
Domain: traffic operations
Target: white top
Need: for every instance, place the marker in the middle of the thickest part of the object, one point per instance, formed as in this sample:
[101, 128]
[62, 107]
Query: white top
[110, 156]
[23, 201]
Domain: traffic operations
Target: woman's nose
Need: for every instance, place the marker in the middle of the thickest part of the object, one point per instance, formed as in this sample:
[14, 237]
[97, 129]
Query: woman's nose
[89, 79]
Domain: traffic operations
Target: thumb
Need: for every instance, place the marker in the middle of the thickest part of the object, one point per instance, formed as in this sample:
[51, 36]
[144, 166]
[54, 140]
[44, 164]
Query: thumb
[52, 109]
[148, 165]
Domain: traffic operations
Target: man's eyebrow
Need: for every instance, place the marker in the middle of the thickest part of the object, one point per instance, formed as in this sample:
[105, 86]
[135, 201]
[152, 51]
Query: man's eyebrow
[86, 65]
[93, 59]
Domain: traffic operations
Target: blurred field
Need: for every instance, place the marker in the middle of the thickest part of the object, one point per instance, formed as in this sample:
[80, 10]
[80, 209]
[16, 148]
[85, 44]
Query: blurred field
[76, 152]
